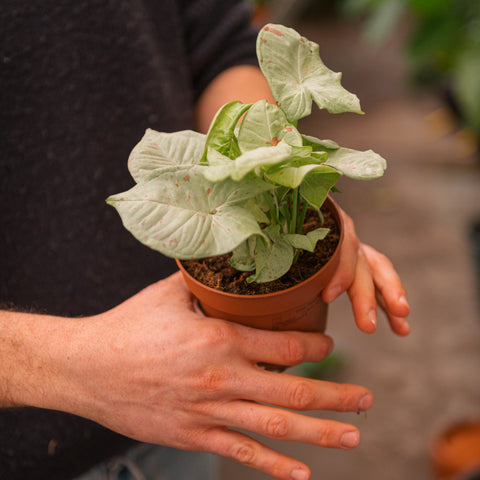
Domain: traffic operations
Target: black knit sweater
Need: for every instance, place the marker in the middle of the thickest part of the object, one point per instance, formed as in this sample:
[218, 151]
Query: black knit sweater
[80, 82]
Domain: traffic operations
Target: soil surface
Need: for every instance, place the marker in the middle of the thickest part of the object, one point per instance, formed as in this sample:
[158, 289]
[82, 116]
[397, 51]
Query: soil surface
[216, 272]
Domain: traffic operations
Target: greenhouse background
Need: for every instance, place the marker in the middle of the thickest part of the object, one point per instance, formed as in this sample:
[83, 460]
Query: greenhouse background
[415, 66]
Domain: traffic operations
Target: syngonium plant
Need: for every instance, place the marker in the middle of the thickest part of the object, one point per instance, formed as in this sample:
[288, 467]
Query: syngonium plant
[245, 187]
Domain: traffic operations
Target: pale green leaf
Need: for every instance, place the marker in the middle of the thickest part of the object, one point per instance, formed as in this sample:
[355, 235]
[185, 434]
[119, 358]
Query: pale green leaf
[215, 158]
[292, 177]
[274, 259]
[308, 241]
[358, 165]
[247, 162]
[316, 186]
[243, 257]
[183, 215]
[254, 205]
[158, 152]
[316, 143]
[301, 152]
[320, 156]
[297, 75]
[265, 125]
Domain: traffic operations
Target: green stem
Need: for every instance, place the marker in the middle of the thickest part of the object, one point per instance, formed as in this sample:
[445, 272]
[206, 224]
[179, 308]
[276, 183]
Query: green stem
[273, 207]
[301, 218]
[295, 258]
[286, 220]
[294, 205]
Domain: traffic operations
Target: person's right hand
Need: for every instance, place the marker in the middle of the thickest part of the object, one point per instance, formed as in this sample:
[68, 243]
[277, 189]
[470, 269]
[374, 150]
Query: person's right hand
[157, 370]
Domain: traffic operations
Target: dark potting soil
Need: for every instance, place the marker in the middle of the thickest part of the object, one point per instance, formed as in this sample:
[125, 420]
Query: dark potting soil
[216, 272]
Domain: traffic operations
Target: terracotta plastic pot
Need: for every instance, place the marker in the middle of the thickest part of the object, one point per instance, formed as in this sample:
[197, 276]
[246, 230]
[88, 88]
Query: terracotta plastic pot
[470, 475]
[455, 451]
[296, 308]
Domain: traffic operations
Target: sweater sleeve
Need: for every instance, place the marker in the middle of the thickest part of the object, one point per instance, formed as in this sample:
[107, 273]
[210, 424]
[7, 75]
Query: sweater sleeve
[218, 35]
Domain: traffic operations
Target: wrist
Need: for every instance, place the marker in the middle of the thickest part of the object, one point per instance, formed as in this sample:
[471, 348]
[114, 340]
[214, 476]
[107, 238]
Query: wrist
[34, 351]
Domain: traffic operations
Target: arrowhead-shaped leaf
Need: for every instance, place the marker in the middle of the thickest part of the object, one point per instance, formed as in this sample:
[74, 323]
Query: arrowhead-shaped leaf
[158, 152]
[183, 215]
[265, 125]
[297, 75]
[308, 241]
[274, 259]
[355, 164]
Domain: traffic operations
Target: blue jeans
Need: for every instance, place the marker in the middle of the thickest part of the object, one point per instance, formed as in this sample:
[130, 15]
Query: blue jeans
[153, 462]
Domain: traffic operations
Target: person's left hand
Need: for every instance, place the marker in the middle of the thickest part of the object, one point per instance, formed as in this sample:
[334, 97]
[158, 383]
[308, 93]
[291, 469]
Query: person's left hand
[370, 280]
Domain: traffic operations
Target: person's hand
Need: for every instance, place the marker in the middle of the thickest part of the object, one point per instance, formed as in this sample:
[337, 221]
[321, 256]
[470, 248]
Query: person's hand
[370, 280]
[157, 370]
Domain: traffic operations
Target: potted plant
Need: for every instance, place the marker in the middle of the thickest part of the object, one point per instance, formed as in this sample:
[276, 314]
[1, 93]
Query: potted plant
[246, 190]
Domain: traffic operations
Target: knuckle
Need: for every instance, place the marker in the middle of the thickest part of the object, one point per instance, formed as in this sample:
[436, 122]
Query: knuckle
[186, 439]
[347, 400]
[293, 353]
[350, 228]
[301, 395]
[328, 437]
[383, 259]
[218, 334]
[213, 380]
[277, 426]
[374, 257]
[245, 453]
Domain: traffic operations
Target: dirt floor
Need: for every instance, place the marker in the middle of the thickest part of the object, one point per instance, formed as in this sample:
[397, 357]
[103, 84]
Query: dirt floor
[419, 214]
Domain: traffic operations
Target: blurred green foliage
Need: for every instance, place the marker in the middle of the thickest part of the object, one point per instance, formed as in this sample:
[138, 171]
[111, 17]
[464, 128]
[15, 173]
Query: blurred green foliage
[443, 45]
[328, 368]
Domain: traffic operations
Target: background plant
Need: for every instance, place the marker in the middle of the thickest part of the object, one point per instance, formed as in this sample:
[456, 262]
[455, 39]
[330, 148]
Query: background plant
[245, 186]
[443, 46]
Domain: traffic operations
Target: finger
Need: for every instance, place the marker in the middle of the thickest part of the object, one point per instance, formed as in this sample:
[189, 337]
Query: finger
[283, 348]
[301, 394]
[399, 325]
[391, 294]
[284, 425]
[387, 282]
[362, 296]
[249, 452]
[343, 277]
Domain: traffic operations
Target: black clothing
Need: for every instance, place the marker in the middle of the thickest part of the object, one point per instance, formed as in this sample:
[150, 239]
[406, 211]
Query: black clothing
[80, 83]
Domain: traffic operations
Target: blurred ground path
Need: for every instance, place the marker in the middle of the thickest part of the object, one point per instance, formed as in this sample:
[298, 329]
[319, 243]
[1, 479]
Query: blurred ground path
[419, 215]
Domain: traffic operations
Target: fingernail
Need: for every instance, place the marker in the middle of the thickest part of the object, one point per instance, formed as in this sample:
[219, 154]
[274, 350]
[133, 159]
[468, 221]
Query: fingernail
[406, 325]
[372, 316]
[403, 300]
[298, 474]
[350, 440]
[333, 293]
[330, 348]
[365, 403]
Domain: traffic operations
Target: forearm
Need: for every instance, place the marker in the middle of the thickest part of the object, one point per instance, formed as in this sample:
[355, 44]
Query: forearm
[245, 83]
[33, 350]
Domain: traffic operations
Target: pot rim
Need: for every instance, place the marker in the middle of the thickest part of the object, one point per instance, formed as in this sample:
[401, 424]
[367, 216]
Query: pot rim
[335, 209]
